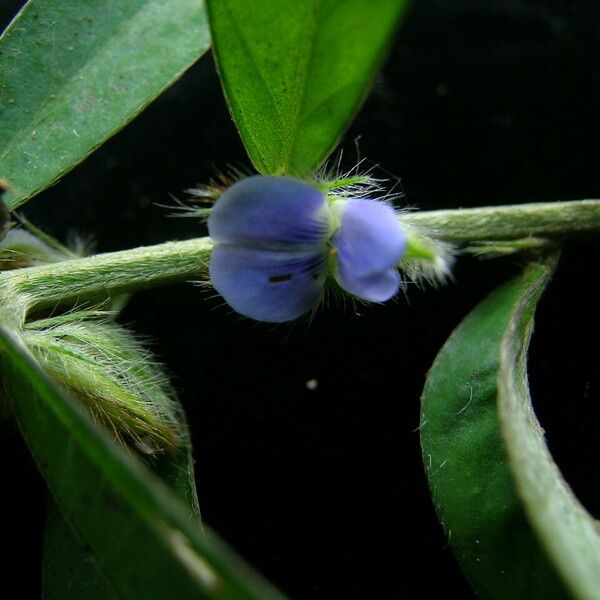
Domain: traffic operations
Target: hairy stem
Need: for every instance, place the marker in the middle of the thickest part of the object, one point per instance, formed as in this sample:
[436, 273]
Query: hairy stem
[107, 275]
[101, 276]
[541, 220]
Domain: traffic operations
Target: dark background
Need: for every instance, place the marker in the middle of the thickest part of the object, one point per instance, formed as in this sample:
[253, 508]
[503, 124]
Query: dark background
[480, 102]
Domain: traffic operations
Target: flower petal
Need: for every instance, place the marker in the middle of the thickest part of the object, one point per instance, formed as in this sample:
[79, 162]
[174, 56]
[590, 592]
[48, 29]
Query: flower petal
[268, 285]
[370, 239]
[378, 287]
[270, 212]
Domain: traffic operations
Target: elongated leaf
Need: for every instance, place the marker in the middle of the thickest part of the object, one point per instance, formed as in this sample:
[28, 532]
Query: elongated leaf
[74, 72]
[70, 571]
[566, 530]
[466, 458]
[161, 551]
[294, 73]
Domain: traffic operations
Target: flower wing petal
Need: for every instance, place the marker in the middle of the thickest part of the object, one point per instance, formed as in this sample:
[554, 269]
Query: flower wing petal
[266, 285]
[270, 212]
[370, 239]
[375, 288]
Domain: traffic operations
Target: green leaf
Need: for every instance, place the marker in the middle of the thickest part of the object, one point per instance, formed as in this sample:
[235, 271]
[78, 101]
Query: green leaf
[143, 538]
[467, 460]
[566, 530]
[70, 571]
[72, 73]
[294, 73]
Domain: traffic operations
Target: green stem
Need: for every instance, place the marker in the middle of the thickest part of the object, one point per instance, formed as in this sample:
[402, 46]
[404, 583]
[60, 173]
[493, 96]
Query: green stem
[101, 276]
[107, 275]
[544, 219]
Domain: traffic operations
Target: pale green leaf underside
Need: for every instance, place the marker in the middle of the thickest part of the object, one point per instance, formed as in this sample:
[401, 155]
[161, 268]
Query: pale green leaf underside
[144, 540]
[294, 73]
[74, 72]
[513, 526]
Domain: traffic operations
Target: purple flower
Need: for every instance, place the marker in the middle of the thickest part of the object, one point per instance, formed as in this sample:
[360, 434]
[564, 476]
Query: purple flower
[277, 240]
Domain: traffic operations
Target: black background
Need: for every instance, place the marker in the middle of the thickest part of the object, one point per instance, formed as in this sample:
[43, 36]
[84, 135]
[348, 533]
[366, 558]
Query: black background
[480, 102]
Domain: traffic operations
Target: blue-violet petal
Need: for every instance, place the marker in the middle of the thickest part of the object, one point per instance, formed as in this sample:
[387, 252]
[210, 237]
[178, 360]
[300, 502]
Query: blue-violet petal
[268, 285]
[378, 287]
[270, 212]
[370, 239]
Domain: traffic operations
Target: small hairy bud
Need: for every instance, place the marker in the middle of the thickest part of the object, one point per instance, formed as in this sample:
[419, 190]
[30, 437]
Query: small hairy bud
[111, 373]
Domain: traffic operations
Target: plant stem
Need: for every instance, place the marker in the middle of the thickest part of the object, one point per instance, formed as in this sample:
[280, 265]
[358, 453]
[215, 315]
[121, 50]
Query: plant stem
[107, 275]
[544, 219]
[103, 275]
